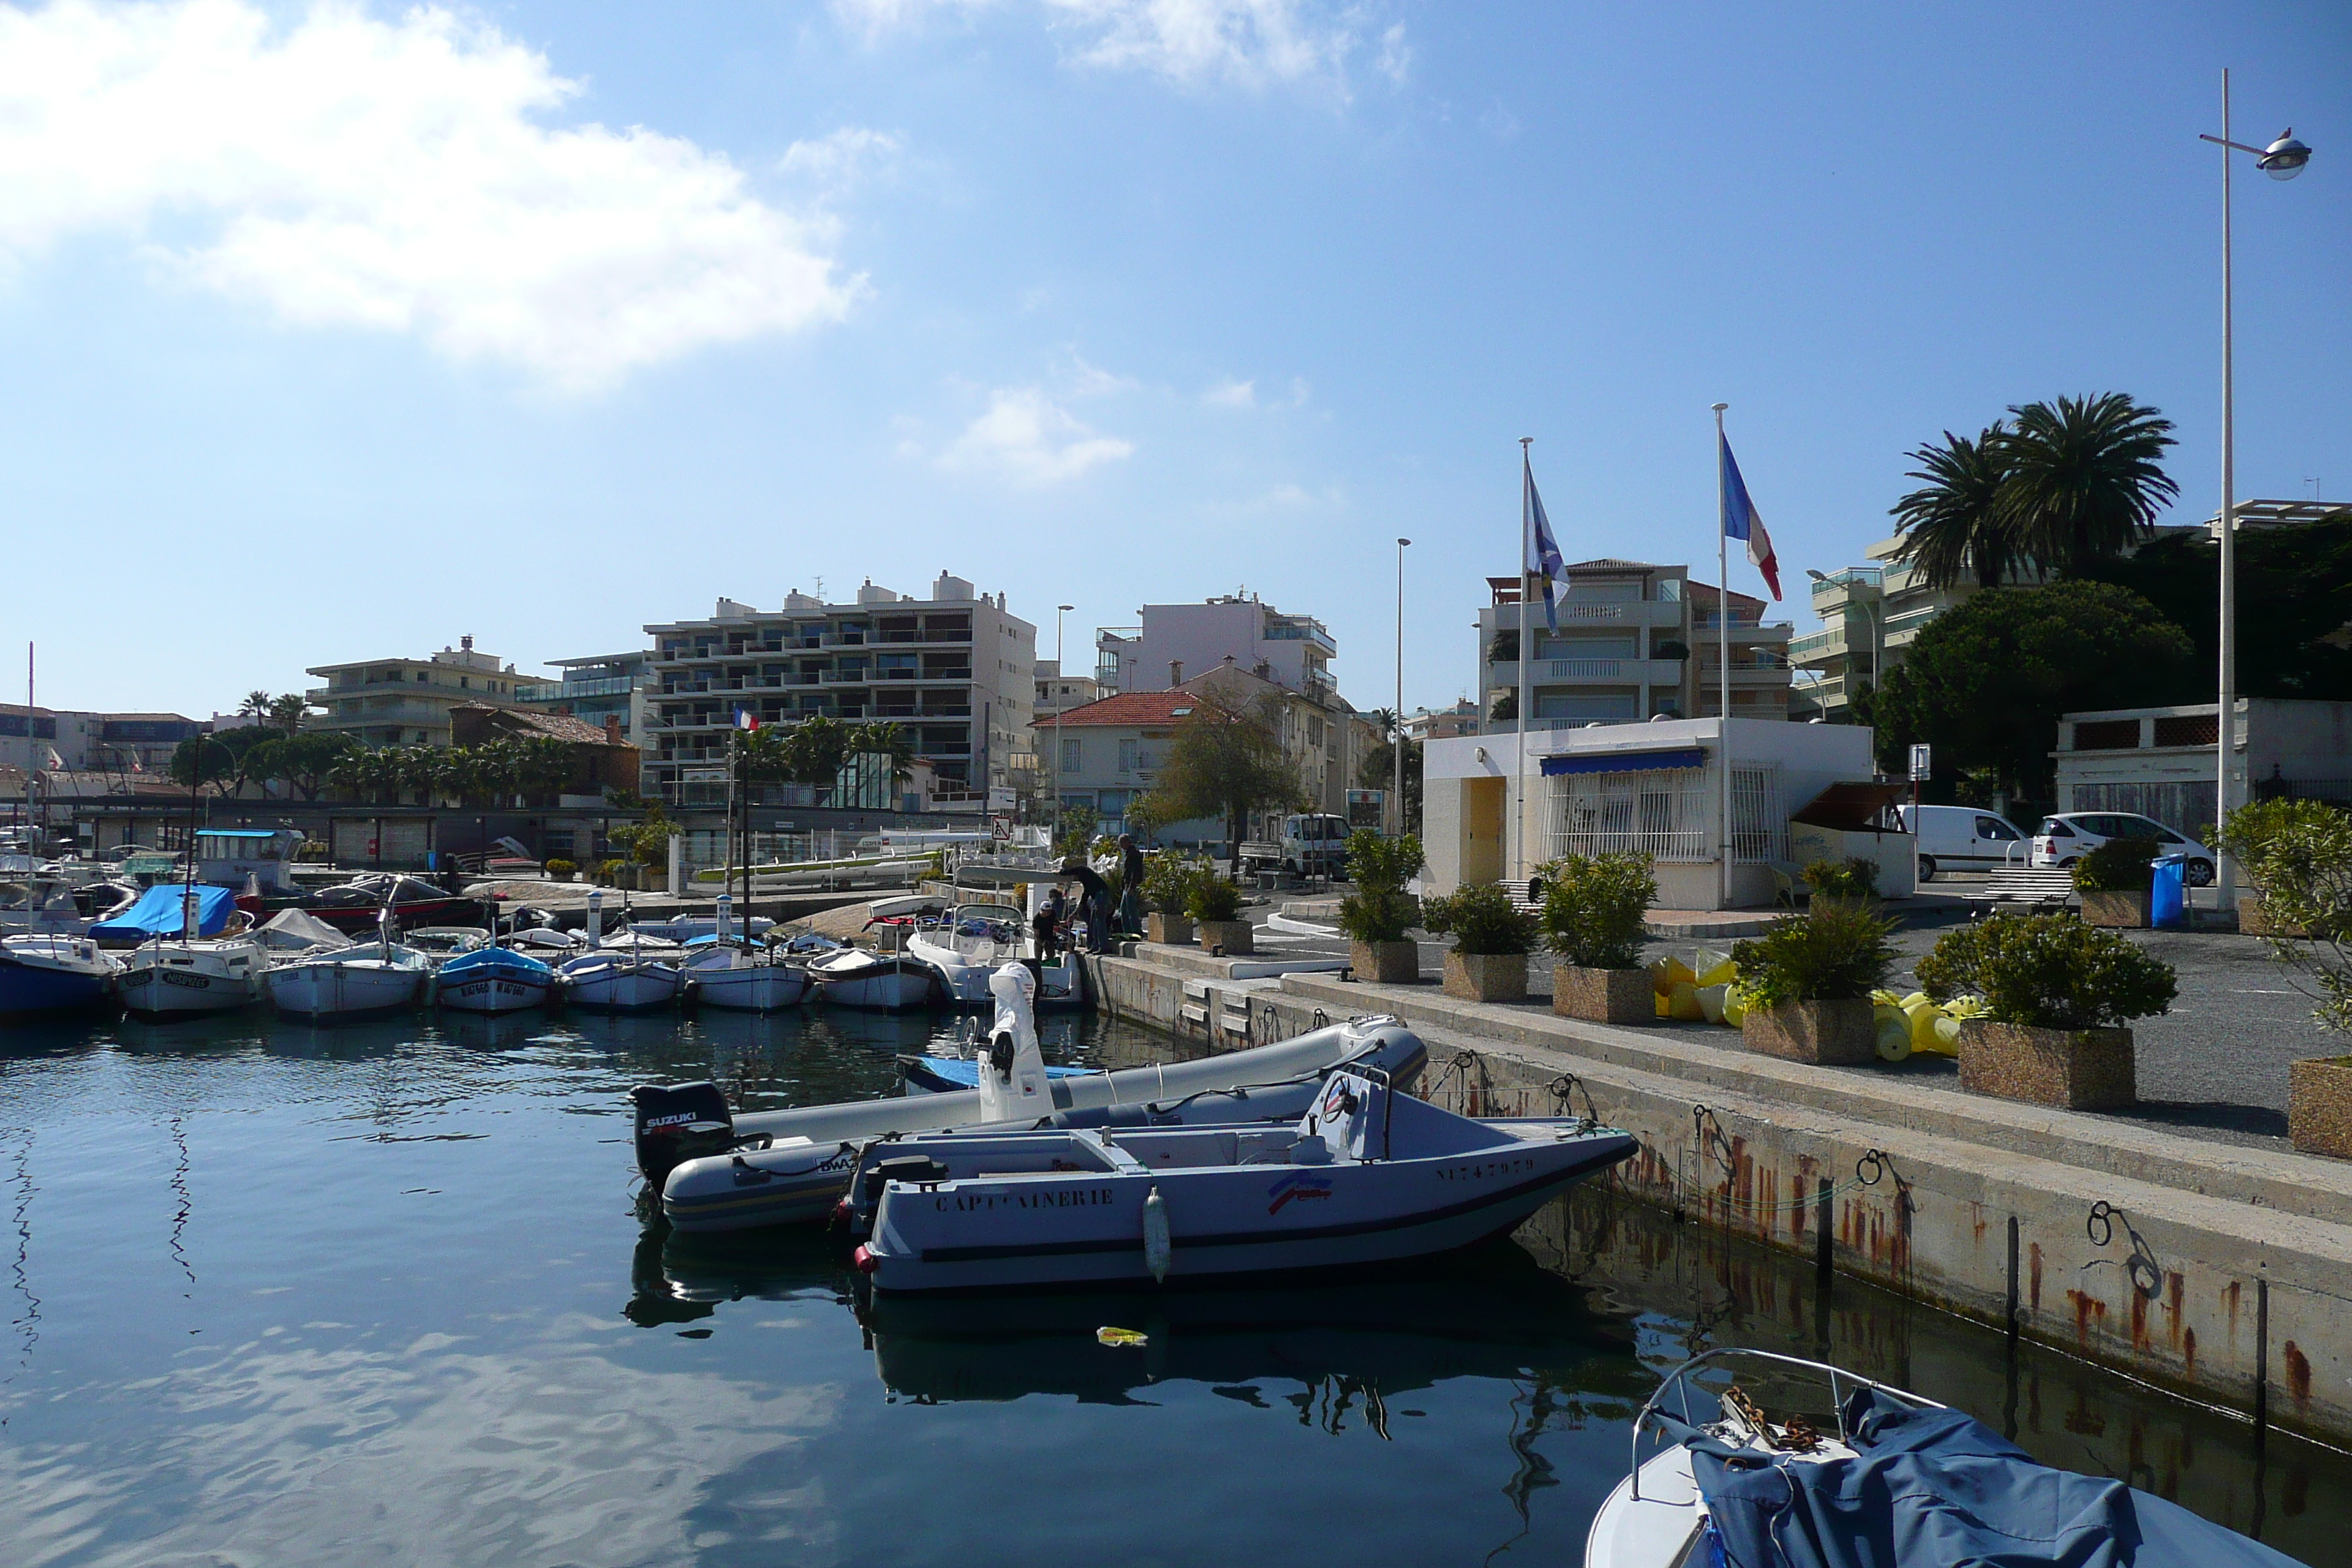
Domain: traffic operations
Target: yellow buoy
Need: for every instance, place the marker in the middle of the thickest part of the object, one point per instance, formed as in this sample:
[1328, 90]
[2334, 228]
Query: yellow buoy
[1894, 1032]
[1121, 1337]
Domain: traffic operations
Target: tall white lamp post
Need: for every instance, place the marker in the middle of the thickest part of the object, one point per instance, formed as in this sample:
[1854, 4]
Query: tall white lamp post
[2282, 160]
[1053, 806]
[1396, 730]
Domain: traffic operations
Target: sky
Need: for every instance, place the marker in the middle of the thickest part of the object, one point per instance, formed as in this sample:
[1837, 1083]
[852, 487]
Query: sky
[335, 332]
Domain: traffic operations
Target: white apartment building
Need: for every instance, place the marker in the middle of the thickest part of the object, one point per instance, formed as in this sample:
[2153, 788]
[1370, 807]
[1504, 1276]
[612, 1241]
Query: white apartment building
[1176, 642]
[596, 687]
[956, 669]
[1058, 693]
[406, 701]
[95, 743]
[1636, 642]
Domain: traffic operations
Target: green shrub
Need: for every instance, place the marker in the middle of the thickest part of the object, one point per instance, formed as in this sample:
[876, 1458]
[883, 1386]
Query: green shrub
[1168, 879]
[1593, 908]
[2300, 857]
[2274, 828]
[2118, 865]
[1211, 897]
[561, 869]
[1379, 910]
[1836, 950]
[606, 870]
[1852, 877]
[2052, 972]
[1480, 920]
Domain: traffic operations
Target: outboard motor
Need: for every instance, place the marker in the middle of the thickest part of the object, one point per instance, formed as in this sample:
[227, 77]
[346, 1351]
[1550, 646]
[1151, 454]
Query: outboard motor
[1013, 1086]
[679, 1122]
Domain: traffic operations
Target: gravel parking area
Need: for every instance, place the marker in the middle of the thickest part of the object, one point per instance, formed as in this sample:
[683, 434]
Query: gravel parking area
[2215, 1067]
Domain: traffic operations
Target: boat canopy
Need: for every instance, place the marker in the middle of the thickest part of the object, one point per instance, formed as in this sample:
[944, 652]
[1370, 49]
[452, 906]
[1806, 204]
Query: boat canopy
[1936, 1486]
[157, 912]
[292, 929]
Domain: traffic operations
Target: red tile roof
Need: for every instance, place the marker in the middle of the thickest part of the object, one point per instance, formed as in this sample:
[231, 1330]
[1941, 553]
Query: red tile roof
[1129, 709]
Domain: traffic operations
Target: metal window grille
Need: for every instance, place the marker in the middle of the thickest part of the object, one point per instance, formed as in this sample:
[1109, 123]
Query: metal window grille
[1759, 830]
[1661, 812]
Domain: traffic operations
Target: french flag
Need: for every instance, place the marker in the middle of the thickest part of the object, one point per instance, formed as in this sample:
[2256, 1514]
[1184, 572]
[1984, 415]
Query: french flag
[1741, 520]
[747, 720]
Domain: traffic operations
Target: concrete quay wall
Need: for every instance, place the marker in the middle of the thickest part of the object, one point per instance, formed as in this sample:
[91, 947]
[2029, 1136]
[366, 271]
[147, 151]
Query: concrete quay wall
[2221, 1272]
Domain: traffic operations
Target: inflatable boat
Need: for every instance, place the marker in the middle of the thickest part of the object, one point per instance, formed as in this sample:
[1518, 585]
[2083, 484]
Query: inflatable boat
[716, 1171]
[1368, 1176]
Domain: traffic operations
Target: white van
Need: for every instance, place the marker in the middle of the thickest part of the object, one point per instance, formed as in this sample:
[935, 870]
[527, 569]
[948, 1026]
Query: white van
[1963, 839]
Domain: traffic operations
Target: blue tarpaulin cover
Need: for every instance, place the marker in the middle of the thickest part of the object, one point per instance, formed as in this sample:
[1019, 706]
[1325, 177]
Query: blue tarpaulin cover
[157, 912]
[1623, 762]
[1938, 1487]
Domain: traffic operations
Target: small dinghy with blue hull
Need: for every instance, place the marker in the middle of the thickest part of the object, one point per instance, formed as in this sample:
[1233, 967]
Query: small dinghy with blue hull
[54, 976]
[716, 1171]
[1871, 1475]
[494, 980]
[1368, 1176]
[950, 1075]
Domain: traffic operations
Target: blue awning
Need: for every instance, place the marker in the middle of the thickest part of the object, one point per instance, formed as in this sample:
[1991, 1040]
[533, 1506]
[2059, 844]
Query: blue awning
[1623, 762]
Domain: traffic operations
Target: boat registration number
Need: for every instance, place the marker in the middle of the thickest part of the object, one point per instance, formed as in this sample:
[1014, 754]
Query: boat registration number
[1487, 1170]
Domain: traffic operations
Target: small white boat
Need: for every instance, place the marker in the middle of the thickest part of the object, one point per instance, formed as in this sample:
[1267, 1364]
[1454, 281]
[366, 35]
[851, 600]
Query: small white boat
[443, 943]
[494, 980]
[1873, 1474]
[48, 975]
[751, 980]
[631, 974]
[175, 977]
[721, 1172]
[370, 980]
[965, 946]
[1368, 1176]
[882, 982]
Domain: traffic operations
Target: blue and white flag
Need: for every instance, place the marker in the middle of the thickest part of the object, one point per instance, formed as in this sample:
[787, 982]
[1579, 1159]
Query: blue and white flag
[1539, 552]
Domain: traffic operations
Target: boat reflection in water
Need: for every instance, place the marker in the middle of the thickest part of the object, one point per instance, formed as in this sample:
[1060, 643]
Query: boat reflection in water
[1489, 1313]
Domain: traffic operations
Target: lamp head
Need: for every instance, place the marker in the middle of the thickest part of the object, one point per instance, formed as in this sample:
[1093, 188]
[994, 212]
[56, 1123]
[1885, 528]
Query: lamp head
[1816, 576]
[2285, 158]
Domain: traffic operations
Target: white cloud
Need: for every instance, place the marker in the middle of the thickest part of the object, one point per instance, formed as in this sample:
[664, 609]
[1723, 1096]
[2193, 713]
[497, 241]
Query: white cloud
[344, 171]
[1251, 42]
[1084, 380]
[1027, 438]
[839, 156]
[1231, 395]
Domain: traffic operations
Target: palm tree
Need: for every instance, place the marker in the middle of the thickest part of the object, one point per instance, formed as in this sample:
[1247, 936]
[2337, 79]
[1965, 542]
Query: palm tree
[1953, 528]
[2083, 480]
[287, 711]
[256, 704]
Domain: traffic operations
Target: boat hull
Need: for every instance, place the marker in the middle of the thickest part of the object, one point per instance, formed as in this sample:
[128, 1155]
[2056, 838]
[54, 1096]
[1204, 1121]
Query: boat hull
[325, 992]
[754, 988]
[623, 987]
[30, 988]
[494, 993]
[162, 983]
[888, 984]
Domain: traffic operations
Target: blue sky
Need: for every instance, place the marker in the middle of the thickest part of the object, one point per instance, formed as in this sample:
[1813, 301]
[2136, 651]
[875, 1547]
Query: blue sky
[335, 334]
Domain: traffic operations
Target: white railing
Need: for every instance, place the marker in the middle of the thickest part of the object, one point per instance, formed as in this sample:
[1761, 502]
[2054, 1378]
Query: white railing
[1668, 814]
[1583, 669]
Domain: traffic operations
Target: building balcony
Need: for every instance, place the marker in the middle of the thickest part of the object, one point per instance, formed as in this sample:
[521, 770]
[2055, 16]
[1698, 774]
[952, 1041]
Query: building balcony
[960, 676]
[1495, 618]
[1616, 671]
[843, 677]
[1817, 646]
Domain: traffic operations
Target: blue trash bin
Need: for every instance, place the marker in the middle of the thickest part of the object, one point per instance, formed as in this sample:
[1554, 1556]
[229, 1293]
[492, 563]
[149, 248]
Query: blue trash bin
[2168, 894]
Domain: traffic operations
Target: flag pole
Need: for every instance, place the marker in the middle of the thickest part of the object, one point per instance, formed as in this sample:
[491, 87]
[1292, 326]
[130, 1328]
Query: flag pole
[1526, 700]
[1723, 657]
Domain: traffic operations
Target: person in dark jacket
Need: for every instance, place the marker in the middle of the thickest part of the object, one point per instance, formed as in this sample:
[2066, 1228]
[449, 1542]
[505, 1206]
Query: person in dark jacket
[1094, 902]
[1045, 926]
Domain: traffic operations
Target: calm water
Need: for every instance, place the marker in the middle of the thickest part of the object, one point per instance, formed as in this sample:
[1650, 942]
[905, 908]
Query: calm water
[380, 1295]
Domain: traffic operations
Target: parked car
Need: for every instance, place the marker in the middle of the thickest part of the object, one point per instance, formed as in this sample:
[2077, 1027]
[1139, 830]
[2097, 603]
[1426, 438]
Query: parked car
[2061, 840]
[1962, 838]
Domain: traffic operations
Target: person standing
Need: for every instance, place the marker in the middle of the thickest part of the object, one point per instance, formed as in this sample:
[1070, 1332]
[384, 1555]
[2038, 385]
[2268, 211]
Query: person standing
[1045, 926]
[1094, 902]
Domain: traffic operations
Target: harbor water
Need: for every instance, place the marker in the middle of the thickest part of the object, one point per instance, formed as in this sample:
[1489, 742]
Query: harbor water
[382, 1294]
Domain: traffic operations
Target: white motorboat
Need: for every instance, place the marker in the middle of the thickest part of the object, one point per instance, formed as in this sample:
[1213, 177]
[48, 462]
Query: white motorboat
[965, 946]
[1367, 1175]
[50, 975]
[178, 977]
[494, 980]
[721, 1172]
[370, 980]
[882, 982]
[1877, 1475]
[630, 974]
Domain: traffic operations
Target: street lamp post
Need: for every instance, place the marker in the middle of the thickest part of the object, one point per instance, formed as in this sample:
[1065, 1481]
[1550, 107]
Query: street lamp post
[2282, 160]
[1054, 774]
[1396, 728]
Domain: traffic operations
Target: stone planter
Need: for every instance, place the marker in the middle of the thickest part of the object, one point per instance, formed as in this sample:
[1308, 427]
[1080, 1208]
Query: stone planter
[1487, 976]
[625, 877]
[2319, 1105]
[1604, 995]
[2253, 921]
[1173, 931]
[1234, 936]
[1827, 1034]
[2125, 911]
[1386, 962]
[2075, 1069]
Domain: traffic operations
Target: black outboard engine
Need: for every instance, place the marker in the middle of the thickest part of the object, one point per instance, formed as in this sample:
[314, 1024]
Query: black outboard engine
[679, 1122]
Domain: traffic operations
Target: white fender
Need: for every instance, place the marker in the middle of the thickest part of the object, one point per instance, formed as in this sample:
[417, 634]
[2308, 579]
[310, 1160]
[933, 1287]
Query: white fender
[725, 923]
[1158, 1252]
[1017, 1092]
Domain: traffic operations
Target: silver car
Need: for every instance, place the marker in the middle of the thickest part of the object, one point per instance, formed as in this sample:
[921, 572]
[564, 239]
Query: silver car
[2064, 839]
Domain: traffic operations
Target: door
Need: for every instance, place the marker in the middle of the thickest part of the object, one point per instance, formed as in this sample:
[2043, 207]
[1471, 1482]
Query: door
[1996, 843]
[1482, 831]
